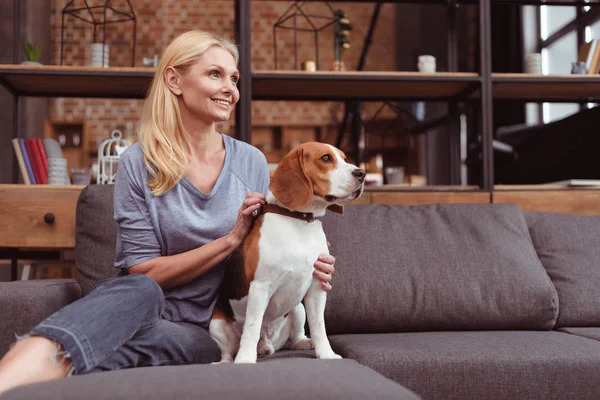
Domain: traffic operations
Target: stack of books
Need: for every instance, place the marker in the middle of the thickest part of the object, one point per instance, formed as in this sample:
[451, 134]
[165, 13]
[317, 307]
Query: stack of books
[32, 156]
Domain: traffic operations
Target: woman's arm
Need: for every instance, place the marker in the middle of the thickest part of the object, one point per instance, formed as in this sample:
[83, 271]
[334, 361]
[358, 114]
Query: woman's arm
[178, 269]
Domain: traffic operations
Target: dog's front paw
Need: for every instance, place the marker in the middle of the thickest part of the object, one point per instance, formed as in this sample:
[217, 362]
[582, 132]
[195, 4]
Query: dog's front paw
[303, 344]
[223, 361]
[330, 355]
[243, 360]
[265, 348]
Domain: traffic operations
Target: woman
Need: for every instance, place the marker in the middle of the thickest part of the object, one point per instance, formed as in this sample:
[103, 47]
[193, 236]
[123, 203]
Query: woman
[177, 203]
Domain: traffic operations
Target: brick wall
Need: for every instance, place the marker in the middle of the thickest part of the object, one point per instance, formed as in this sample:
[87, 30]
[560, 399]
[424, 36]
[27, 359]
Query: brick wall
[159, 21]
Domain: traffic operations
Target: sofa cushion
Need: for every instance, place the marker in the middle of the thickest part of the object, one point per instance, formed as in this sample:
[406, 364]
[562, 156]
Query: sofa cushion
[481, 365]
[569, 248]
[590, 333]
[95, 236]
[435, 267]
[275, 379]
[23, 304]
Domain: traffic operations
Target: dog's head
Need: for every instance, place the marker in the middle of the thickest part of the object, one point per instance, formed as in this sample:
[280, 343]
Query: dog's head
[316, 176]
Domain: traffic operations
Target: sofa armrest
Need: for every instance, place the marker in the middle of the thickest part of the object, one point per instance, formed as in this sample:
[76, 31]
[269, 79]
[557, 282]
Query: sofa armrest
[23, 304]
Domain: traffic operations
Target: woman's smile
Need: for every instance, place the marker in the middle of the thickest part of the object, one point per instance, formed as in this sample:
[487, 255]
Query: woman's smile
[222, 103]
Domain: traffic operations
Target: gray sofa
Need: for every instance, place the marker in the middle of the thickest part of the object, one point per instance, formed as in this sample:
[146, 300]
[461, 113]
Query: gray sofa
[434, 302]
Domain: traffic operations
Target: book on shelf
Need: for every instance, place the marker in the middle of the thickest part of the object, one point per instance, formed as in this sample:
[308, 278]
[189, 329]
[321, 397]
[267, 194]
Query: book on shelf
[24, 167]
[32, 157]
[589, 53]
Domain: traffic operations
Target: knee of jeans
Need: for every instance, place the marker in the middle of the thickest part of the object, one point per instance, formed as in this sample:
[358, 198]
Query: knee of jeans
[147, 289]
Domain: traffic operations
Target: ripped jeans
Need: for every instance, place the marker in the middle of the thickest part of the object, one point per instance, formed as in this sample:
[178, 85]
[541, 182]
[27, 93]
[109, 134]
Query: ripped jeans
[119, 325]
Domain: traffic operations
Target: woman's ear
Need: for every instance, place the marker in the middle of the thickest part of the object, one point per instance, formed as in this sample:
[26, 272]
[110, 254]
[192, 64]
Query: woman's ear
[173, 80]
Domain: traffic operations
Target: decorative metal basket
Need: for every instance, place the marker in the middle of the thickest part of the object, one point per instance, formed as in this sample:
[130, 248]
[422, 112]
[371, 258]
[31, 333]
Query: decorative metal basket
[109, 154]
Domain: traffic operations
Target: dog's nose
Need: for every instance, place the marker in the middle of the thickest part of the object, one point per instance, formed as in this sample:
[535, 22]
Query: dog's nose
[359, 173]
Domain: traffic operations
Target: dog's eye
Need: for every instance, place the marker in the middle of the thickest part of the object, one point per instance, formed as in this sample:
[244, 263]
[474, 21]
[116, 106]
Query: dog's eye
[326, 158]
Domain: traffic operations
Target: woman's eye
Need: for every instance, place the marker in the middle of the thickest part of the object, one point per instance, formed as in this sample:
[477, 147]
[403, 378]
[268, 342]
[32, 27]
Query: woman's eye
[235, 79]
[326, 158]
[214, 73]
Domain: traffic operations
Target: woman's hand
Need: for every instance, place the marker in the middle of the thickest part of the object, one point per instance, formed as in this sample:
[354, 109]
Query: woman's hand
[252, 202]
[324, 269]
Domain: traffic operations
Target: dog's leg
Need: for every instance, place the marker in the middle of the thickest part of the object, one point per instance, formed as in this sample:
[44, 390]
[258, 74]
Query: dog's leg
[265, 346]
[315, 309]
[223, 333]
[258, 299]
[298, 339]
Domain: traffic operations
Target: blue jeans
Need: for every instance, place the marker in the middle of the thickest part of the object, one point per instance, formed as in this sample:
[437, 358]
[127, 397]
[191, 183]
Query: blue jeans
[119, 325]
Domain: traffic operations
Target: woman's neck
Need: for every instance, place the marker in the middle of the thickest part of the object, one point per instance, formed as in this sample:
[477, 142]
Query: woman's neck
[205, 141]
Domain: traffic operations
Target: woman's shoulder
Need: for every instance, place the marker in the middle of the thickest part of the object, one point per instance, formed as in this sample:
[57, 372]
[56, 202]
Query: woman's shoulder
[244, 152]
[132, 154]
[132, 162]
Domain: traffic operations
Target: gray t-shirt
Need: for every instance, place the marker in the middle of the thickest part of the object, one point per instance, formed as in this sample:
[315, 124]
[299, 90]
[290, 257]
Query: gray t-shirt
[183, 219]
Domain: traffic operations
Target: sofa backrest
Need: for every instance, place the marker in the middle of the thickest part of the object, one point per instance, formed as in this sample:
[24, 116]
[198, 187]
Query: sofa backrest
[435, 267]
[398, 268]
[95, 236]
[569, 248]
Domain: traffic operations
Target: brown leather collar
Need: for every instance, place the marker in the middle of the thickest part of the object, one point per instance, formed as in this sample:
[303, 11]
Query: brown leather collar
[273, 208]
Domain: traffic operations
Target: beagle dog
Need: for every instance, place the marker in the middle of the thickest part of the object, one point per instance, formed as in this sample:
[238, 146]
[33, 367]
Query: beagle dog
[260, 310]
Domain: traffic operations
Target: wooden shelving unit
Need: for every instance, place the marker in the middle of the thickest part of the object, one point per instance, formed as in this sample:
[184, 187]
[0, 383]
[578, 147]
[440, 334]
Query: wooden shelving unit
[93, 82]
[64, 81]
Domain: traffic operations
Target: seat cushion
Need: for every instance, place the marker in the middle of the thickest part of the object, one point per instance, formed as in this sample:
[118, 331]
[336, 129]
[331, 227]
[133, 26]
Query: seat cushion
[95, 236]
[482, 365]
[274, 379]
[590, 333]
[435, 267]
[569, 248]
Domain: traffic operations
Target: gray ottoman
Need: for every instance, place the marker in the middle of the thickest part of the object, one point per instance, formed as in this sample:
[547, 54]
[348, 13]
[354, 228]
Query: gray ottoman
[286, 378]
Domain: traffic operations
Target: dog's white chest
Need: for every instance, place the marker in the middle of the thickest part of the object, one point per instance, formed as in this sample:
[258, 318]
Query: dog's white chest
[288, 249]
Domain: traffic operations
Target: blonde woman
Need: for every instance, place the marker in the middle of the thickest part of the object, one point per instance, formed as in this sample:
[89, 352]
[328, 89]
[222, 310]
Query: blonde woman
[184, 197]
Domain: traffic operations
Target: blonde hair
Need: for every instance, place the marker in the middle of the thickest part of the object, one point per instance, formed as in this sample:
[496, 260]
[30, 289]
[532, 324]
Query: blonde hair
[162, 137]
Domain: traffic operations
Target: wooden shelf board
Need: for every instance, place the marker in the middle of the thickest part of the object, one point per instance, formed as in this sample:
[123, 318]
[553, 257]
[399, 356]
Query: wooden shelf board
[546, 87]
[584, 202]
[542, 187]
[116, 82]
[422, 188]
[419, 198]
[364, 85]
[68, 81]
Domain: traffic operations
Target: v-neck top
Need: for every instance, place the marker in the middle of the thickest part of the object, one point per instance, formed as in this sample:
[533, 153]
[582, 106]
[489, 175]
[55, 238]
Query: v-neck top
[183, 219]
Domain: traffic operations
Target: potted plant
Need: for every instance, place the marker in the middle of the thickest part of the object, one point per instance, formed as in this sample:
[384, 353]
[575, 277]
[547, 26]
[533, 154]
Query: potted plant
[32, 52]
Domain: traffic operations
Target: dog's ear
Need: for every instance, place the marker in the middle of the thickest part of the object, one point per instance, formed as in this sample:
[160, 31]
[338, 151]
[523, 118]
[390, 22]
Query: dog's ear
[290, 184]
[336, 209]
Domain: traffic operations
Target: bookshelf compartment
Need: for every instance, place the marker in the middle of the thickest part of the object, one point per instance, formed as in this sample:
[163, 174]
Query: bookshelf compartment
[73, 139]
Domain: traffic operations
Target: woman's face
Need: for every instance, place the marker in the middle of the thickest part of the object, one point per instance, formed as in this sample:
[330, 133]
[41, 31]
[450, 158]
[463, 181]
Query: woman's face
[209, 87]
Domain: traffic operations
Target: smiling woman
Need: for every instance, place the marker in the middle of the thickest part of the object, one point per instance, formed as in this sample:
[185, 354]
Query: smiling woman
[183, 201]
[195, 86]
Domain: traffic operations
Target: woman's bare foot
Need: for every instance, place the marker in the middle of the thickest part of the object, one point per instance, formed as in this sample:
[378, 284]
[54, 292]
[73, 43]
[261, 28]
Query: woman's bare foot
[34, 359]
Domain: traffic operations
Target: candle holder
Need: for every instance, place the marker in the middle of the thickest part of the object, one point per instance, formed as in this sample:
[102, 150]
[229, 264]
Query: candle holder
[297, 12]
